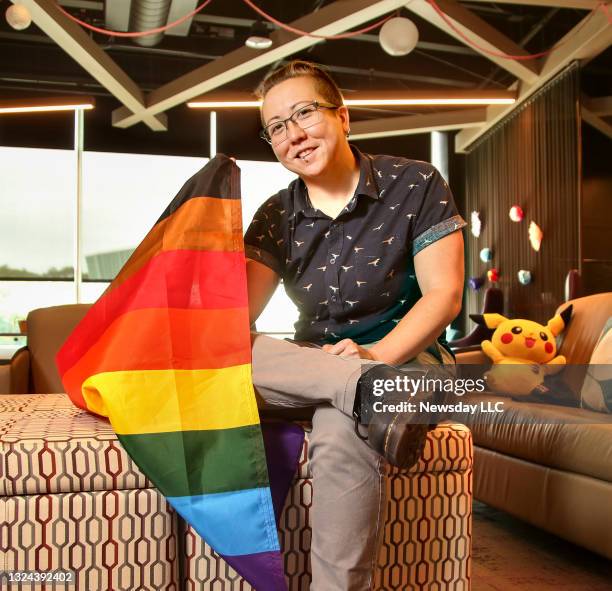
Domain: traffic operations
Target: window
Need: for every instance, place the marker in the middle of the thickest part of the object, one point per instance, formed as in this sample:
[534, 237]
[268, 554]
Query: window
[37, 194]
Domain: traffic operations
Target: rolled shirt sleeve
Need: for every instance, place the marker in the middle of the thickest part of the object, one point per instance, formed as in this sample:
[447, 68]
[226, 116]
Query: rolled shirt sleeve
[437, 215]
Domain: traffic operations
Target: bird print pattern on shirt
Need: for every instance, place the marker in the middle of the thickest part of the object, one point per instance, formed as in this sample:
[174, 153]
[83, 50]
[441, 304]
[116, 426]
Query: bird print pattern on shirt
[362, 259]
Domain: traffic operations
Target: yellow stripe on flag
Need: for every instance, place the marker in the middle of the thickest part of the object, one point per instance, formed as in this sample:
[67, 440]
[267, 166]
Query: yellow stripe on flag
[167, 400]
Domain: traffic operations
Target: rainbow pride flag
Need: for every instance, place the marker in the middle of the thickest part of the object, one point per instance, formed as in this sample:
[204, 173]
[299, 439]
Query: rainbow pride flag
[165, 354]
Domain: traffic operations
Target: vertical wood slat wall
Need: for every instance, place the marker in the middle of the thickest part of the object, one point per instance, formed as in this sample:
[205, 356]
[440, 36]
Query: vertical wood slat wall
[531, 159]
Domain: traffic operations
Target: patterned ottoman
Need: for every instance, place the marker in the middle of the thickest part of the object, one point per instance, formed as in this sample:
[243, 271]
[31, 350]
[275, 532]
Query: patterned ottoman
[71, 498]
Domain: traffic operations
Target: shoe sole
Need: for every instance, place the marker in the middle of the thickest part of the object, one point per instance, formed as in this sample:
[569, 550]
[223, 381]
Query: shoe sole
[401, 444]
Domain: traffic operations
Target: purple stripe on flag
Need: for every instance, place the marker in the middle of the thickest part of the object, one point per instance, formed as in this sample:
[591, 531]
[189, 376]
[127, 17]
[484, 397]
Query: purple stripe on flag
[283, 443]
[262, 570]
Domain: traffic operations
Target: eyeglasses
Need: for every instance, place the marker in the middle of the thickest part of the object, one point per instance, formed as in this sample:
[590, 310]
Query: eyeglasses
[304, 117]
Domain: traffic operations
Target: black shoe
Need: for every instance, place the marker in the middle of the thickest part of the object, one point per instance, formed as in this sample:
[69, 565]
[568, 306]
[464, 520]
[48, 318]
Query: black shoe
[397, 437]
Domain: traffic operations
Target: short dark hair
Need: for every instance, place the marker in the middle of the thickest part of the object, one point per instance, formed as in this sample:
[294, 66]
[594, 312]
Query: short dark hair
[324, 83]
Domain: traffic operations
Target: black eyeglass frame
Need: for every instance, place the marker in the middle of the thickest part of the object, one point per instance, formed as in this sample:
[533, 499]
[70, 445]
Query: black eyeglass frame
[264, 135]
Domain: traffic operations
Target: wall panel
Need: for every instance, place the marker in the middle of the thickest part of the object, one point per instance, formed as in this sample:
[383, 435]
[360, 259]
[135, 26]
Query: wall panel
[531, 159]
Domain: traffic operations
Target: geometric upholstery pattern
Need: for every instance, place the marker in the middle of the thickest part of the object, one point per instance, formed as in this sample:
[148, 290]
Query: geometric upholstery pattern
[71, 498]
[51, 446]
[117, 539]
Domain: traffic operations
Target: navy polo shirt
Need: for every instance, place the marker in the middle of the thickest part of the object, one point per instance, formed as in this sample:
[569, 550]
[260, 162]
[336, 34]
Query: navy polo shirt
[353, 276]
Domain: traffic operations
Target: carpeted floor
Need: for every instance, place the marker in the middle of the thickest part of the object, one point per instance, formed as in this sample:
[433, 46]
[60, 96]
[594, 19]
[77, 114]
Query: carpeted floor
[509, 555]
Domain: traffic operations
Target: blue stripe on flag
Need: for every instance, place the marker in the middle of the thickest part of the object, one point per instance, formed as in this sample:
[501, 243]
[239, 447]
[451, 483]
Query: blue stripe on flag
[232, 523]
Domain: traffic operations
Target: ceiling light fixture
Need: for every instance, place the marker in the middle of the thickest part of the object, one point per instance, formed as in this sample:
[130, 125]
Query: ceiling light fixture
[428, 101]
[385, 100]
[398, 36]
[43, 105]
[258, 36]
[18, 17]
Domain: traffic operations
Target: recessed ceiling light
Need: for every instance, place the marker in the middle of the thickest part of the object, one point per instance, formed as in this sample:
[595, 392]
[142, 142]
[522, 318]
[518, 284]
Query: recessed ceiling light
[373, 99]
[43, 105]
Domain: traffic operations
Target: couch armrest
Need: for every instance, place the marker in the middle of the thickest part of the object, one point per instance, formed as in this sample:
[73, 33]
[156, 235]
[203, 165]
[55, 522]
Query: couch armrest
[19, 379]
[476, 357]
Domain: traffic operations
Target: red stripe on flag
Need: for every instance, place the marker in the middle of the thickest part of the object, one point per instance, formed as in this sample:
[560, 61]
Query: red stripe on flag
[184, 279]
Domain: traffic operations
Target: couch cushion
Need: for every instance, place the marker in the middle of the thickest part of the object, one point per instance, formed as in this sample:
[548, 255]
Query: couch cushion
[578, 341]
[51, 446]
[572, 439]
[596, 391]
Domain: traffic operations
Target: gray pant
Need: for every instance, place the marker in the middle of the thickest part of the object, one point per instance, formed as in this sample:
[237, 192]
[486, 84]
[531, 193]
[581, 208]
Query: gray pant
[348, 491]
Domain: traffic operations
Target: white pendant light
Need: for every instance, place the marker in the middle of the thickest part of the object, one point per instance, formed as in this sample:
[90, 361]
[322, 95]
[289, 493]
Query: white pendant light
[398, 36]
[258, 37]
[18, 17]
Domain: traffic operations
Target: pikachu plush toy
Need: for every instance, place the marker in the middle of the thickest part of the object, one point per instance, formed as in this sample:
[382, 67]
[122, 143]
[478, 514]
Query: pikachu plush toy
[523, 352]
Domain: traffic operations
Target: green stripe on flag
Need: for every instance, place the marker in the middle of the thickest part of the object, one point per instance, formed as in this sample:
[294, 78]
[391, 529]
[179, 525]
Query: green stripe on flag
[183, 463]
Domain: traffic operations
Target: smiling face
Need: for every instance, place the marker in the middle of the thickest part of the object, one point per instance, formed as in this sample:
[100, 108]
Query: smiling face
[309, 152]
[525, 339]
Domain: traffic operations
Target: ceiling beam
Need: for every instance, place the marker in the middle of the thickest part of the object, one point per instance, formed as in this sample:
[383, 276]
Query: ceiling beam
[596, 122]
[412, 124]
[332, 19]
[576, 4]
[80, 46]
[482, 34]
[587, 39]
[601, 106]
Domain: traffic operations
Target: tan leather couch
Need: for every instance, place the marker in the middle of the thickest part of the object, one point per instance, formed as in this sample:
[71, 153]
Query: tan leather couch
[555, 470]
